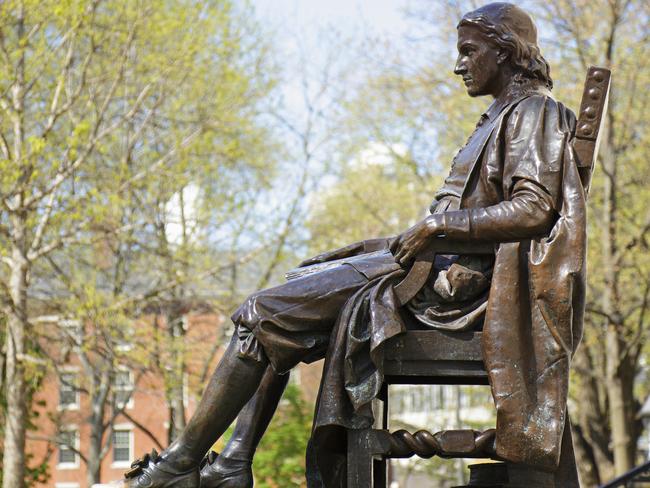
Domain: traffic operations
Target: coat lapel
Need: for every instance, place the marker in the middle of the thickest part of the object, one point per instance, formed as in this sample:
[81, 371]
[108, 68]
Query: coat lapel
[492, 119]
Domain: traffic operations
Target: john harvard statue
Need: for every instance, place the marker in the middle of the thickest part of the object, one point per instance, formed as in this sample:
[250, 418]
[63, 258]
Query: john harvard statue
[515, 184]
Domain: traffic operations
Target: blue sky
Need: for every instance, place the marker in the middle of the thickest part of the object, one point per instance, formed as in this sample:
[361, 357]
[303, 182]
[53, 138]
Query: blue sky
[315, 28]
[382, 16]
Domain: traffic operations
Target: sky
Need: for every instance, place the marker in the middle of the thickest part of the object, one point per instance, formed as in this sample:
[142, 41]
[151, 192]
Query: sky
[300, 27]
[382, 16]
[314, 27]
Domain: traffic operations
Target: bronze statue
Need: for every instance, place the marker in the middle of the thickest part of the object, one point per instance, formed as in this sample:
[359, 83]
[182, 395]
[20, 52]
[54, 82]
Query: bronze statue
[515, 184]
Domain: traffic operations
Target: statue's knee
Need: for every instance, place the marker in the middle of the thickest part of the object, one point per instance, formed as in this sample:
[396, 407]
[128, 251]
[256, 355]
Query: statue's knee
[246, 320]
[248, 347]
[247, 314]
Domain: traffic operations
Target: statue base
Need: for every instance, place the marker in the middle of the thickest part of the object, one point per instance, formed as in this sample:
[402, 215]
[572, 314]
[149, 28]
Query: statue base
[506, 475]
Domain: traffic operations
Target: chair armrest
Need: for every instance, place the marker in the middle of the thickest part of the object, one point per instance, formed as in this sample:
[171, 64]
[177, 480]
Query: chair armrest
[421, 268]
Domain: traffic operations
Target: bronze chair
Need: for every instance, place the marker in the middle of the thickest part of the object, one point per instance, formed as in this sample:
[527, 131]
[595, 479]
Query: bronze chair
[437, 357]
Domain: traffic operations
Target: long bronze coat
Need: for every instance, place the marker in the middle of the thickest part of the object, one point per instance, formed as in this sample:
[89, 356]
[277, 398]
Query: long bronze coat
[535, 309]
[522, 190]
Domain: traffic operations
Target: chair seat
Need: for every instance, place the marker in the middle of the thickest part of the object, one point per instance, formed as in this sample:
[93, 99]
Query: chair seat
[435, 357]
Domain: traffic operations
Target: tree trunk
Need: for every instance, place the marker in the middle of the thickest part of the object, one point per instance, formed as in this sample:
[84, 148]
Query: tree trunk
[176, 389]
[620, 393]
[93, 467]
[101, 386]
[585, 458]
[16, 417]
[591, 425]
[94, 456]
[618, 378]
[175, 327]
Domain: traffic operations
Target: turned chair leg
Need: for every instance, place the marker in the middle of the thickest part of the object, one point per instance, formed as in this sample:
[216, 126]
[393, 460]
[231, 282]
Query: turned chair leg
[367, 448]
[364, 469]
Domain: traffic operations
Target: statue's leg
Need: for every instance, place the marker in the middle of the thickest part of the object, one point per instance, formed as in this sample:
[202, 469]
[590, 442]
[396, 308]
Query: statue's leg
[232, 468]
[281, 326]
[291, 323]
[231, 386]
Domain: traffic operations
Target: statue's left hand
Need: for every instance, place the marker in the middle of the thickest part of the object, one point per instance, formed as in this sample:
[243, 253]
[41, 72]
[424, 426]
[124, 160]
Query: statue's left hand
[406, 246]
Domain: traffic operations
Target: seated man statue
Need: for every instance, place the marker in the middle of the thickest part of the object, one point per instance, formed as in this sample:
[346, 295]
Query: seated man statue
[514, 184]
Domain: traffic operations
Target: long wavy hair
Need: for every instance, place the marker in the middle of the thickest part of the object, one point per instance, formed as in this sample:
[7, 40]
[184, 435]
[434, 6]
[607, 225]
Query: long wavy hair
[525, 56]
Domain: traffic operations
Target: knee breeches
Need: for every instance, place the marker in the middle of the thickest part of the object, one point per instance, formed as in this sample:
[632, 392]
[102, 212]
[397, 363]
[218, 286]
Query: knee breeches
[292, 323]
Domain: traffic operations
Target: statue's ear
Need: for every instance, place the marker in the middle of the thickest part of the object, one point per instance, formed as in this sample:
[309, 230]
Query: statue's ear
[502, 56]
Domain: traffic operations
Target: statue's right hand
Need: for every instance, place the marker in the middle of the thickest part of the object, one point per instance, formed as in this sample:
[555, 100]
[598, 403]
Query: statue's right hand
[343, 252]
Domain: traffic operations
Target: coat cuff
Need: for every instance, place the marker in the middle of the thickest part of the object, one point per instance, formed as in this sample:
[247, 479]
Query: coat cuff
[457, 224]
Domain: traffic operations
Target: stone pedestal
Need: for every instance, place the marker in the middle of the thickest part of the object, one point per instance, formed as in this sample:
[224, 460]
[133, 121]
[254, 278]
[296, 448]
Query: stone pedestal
[506, 475]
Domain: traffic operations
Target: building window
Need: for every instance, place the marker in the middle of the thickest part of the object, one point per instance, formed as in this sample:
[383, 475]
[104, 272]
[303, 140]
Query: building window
[66, 485]
[68, 392]
[72, 332]
[123, 389]
[68, 444]
[122, 446]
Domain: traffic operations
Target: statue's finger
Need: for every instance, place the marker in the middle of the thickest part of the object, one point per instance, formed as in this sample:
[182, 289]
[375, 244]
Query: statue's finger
[394, 245]
[399, 254]
[404, 253]
[406, 258]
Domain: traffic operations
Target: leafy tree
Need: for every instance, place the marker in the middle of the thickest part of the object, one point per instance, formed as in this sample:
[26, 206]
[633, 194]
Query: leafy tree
[109, 109]
[280, 458]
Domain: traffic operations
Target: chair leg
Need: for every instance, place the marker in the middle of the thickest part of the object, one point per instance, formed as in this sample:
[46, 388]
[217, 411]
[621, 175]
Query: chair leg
[363, 446]
[366, 464]
[360, 459]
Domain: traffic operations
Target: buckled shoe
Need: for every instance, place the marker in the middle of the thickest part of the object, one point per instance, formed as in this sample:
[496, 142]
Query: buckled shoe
[153, 472]
[214, 475]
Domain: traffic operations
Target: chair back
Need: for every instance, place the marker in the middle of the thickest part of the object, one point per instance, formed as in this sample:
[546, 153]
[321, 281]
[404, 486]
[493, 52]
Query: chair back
[591, 118]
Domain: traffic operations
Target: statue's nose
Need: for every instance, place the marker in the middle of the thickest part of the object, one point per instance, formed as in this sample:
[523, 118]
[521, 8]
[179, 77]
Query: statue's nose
[460, 68]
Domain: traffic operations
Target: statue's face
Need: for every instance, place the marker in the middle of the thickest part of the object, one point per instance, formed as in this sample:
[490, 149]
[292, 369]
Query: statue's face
[478, 62]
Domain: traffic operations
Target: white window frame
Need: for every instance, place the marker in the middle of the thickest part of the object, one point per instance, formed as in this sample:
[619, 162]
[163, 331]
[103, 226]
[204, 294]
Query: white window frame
[129, 404]
[73, 330]
[66, 485]
[75, 464]
[69, 406]
[123, 464]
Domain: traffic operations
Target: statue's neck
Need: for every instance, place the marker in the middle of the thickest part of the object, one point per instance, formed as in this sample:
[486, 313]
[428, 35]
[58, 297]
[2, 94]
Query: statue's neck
[516, 86]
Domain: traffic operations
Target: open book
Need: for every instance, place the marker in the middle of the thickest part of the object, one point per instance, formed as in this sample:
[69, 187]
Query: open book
[318, 267]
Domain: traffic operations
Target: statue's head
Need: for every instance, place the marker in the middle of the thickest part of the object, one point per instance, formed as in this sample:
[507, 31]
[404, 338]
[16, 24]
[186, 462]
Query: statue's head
[497, 46]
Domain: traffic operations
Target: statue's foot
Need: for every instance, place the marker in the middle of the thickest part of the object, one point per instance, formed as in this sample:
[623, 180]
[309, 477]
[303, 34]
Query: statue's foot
[152, 471]
[217, 472]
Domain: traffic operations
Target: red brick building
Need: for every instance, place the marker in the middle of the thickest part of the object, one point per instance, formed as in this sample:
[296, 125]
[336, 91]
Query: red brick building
[64, 407]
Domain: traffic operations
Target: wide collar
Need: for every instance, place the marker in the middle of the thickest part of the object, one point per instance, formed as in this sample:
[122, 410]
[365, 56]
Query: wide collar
[514, 93]
[473, 148]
